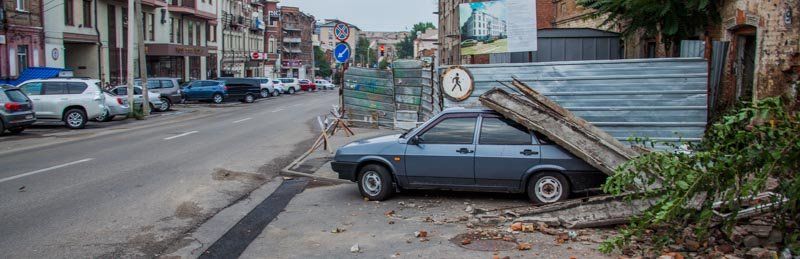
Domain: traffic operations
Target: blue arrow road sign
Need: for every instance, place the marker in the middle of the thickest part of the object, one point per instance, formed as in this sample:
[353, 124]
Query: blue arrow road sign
[342, 52]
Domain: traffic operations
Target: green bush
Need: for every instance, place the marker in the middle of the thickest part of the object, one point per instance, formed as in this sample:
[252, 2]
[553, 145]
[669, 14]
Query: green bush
[737, 157]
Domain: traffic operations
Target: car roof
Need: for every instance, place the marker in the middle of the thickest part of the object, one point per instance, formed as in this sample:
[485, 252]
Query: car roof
[453, 110]
[7, 87]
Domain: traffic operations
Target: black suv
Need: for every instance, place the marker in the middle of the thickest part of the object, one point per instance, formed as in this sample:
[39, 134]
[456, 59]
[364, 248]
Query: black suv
[16, 110]
[243, 89]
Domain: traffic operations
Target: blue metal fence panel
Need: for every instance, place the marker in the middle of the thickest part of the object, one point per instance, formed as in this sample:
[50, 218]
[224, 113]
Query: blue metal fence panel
[661, 99]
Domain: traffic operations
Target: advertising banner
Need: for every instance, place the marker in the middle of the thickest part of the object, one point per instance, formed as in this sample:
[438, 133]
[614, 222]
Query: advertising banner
[498, 26]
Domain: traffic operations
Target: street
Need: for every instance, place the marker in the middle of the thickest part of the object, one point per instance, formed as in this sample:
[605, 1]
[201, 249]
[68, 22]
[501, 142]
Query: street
[136, 191]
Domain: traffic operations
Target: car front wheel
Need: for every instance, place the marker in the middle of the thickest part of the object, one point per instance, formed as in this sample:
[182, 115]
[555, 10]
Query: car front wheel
[75, 119]
[375, 183]
[291, 90]
[249, 98]
[165, 105]
[548, 187]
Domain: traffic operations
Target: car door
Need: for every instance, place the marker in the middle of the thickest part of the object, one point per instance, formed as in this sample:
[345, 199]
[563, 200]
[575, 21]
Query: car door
[504, 153]
[34, 92]
[54, 99]
[445, 152]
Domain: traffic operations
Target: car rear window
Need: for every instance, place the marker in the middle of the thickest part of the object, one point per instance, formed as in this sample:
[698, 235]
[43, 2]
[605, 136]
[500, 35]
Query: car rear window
[76, 88]
[16, 96]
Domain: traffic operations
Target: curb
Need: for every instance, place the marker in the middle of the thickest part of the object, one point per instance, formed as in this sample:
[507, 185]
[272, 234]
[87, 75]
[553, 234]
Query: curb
[288, 171]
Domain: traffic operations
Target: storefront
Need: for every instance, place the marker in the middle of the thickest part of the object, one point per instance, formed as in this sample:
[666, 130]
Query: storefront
[179, 61]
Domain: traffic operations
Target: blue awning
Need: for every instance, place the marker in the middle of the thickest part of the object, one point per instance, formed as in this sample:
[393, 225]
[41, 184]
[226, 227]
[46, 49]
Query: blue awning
[34, 73]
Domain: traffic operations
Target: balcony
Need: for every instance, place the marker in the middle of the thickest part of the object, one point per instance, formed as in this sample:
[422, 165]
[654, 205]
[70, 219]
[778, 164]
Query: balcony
[291, 27]
[182, 6]
[292, 40]
[155, 3]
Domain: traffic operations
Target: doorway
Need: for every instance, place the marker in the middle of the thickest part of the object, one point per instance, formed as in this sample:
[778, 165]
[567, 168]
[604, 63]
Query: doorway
[744, 66]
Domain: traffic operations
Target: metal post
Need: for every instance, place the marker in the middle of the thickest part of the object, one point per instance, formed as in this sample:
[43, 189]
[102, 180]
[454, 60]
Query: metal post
[142, 58]
[129, 63]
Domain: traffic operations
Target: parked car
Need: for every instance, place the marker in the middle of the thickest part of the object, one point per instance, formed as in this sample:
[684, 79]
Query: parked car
[469, 43]
[16, 110]
[279, 88]
[245, 90]
[324, 84]
[154, 99]
[466, 149]
[290, 85]
[307, 85]
[169, 88]
[205, 90]
[71, 100]
[115, 106]
[267, 87]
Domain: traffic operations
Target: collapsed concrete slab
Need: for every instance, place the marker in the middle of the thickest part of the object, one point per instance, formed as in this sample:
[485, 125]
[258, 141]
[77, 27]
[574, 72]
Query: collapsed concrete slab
[537, 112]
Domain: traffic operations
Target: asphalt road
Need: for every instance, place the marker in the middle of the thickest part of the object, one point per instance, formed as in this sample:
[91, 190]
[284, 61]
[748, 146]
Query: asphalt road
[136, 192]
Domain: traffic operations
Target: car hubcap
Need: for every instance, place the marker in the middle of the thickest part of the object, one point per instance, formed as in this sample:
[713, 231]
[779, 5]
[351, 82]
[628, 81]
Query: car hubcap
[372, 183]
[75, 119]
[264, 93]
[548, 189]
[217, 99]
[249, 99]
[164, 104]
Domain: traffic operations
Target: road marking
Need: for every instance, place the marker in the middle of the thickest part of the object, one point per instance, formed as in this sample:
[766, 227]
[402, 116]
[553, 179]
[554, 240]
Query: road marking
[181, 135]
[242, 120]
[281, 109]
[45, 170]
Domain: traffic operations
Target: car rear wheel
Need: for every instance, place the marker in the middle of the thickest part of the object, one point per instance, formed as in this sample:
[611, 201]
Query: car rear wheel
[165, 105]
[548, 187]
[264, 93]
[75, 119]
[249, 98]
[375, 183]
[217, 98]
[291, 90]
[105, 117]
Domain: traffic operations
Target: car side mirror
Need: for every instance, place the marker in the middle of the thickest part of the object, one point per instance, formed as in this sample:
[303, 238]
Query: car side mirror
[416, 140]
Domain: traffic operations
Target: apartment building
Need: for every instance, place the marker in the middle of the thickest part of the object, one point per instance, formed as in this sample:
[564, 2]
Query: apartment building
[387, 39]
[327, 38]
[296, 41]
[273, 16]
[243, 29]
[21, 37]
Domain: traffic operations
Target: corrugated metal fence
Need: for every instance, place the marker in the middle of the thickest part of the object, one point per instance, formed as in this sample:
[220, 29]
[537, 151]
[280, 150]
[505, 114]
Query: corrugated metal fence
[369, 97]
[662, 99]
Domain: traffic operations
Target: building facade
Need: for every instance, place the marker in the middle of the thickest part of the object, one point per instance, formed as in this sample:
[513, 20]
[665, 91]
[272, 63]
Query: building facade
[296, 42]
[385, 39]
[483, 26]
[425, 46]
[273, 16]
[21, 37]
[243, 29]
[328, 41]
[450, 29]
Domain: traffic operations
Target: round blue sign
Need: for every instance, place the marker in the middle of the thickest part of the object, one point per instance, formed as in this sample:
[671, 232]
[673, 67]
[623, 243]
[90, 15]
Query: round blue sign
[342, 52]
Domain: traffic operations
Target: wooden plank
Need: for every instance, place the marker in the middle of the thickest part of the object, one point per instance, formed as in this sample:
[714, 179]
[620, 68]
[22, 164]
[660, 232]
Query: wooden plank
[599, 150]
[408, 99]
[369, 81]
[408, 90]
[384, 90]
[364, 72]
[369, 96]
[368, 104]
[409, 107]
[417, 81]
[408, 73]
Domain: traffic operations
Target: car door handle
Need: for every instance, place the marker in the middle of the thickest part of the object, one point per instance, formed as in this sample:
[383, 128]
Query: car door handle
[465, 151]
[528, 152]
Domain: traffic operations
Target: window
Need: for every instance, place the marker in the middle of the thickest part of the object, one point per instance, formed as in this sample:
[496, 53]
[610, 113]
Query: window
[497, 131]
[172, 30]
[211, 33]
[76, 88]
[451, 131]
[69, 18]
[87, 14]
[32, 88]
[190, 33]
[22, 5]
[151, 26]
[22, 58]
[16, 96]
[53, 88]
[179, 31]
[197, 34]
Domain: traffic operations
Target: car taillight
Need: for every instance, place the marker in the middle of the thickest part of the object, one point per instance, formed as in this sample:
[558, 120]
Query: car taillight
[119, 101]
[12, 107]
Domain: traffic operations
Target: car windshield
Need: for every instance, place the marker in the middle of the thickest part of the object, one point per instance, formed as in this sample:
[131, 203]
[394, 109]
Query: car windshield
[16, 96]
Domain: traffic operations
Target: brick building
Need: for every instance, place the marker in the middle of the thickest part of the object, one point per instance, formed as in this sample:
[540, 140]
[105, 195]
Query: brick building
[21, 37]
[296, 42]
[449, 28]
[764, 55]
[271, 35]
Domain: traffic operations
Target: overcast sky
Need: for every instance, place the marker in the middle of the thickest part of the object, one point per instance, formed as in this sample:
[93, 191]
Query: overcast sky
[371, 15]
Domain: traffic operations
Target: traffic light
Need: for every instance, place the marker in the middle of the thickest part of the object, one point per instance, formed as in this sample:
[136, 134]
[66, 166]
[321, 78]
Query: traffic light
[383, 49]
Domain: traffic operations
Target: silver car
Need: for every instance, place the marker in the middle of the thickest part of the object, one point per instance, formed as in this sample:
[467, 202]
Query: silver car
[466, 149]
[154, 97]
[115, 106]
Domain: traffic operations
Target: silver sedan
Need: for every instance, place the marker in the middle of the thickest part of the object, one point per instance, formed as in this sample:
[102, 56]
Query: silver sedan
[115, 106]
[153, 97]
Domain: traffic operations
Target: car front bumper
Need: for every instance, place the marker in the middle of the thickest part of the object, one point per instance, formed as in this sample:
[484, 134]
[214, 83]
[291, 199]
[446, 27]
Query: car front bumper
[346, 170]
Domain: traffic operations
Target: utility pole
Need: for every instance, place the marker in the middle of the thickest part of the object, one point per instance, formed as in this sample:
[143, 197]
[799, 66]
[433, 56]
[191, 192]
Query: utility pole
[140, 29]
[129, 74]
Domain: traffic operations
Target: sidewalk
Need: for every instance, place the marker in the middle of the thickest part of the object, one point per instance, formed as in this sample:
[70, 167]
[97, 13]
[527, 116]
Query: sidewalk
[334, 221]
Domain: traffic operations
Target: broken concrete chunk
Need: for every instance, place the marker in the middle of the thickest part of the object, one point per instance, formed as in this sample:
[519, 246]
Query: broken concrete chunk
[421, 233]
[524, 246]
[355, 248]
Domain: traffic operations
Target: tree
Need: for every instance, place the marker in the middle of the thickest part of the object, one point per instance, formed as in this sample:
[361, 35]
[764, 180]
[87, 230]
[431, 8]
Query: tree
[673, 20]
[364, 54]
[405, 48]
[322, 63]
[384, 64]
